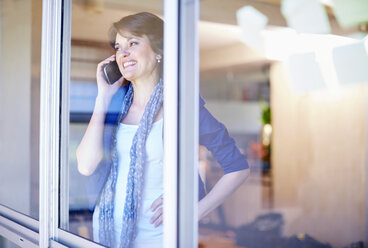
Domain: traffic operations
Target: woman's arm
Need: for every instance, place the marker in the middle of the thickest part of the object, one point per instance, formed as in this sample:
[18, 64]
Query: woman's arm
[215, 137]
[227, 184]
[90, 150]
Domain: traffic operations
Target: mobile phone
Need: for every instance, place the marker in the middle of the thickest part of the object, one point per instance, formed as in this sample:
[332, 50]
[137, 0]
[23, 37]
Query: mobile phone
[111, 72]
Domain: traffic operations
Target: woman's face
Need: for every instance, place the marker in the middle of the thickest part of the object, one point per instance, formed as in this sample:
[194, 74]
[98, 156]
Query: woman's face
[135, 57]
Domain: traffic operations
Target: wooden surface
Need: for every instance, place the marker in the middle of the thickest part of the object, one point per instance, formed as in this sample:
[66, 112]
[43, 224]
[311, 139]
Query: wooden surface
[319, 158]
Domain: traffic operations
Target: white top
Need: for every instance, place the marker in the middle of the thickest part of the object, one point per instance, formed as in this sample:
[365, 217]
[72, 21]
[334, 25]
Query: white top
[147, 234]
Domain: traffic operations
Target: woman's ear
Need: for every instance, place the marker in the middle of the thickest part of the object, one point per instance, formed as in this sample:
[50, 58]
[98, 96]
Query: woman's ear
[158, 58]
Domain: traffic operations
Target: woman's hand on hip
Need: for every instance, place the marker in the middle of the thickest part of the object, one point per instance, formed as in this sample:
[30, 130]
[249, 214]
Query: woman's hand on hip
[156, 207]
[105, 89]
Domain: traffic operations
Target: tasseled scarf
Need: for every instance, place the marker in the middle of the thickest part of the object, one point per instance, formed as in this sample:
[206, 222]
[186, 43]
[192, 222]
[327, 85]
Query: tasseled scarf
[135, 175]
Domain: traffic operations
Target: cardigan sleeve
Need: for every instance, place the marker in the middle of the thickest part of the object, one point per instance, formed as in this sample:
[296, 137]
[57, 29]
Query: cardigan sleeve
[215, 137]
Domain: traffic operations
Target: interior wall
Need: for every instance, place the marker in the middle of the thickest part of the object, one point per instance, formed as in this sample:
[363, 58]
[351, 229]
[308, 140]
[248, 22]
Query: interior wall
[319, 158]
[15, 101]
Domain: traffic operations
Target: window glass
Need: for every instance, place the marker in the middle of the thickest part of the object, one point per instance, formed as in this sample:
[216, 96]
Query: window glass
[138, 51]
[20, 56]
[6, 243]
[297, 113]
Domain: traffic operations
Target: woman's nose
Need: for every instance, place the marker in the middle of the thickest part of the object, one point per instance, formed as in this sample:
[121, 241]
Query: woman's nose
[125, 51]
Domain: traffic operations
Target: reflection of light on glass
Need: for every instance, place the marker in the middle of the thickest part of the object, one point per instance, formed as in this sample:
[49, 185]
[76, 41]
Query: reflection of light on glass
[284, 44]
[266, 137]
[323, 46]
[351, 63]
[279, 42]
[251, 21]
[305, 72]
[350, 13]
[306, 16]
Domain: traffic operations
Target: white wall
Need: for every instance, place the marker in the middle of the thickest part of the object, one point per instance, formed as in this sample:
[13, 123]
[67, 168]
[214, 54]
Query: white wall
[238, 117]
[15, 99]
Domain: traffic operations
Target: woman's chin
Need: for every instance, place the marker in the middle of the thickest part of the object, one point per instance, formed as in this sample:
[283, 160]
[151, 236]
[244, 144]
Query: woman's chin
[128, 77]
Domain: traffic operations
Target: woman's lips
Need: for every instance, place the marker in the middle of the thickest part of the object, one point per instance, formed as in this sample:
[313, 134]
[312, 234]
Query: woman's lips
[129, 63]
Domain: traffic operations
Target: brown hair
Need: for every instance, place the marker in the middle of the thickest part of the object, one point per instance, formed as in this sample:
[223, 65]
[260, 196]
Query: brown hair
[140, 24]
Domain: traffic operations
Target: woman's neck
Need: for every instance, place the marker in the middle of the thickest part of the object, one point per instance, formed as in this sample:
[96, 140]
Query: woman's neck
[143, 90]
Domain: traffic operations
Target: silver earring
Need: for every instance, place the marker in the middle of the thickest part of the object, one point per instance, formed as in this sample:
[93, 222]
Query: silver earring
[158, 59]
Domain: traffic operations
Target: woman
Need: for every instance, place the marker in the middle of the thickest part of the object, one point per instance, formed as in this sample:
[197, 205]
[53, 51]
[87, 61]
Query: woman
[124, 141]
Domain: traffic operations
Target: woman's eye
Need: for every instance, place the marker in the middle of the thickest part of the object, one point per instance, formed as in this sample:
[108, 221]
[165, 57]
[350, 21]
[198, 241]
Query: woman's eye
[133, 43]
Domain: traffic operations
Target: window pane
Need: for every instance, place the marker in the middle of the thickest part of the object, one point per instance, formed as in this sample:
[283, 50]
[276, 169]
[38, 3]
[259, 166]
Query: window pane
[20, 49]
[6, 243]
[307, 162]
[91, 22]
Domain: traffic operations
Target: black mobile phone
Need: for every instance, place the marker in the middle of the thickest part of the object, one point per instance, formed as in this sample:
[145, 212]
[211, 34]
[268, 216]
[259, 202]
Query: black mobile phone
[111, 72]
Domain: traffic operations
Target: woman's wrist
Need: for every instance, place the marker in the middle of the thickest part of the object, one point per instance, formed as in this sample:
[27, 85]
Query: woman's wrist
[102, 103]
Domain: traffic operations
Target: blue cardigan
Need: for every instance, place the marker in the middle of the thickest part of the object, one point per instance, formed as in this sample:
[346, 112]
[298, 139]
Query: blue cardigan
[212, 134]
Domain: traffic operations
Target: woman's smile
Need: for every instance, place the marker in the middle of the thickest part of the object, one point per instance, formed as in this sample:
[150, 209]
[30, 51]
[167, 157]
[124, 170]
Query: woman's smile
[129, 64]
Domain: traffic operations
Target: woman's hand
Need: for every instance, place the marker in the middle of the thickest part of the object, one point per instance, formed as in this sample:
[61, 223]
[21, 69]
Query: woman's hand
[157, 218]
[105, 89]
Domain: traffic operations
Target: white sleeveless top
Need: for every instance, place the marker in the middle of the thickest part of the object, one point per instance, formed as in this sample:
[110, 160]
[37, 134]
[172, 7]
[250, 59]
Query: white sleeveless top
[147, 234]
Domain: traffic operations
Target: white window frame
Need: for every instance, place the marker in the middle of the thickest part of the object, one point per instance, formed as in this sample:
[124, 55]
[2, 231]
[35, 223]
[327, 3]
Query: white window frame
[18, 228]
[188, 124]
[171, 39]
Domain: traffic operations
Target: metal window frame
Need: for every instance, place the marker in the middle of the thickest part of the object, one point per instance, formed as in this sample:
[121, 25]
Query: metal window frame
[171, 39]
[188, 123]
[54, 135]
[72, 240]
[18, 234]
[18, 228]
[64, 115]
[181, 77]
[50, 120]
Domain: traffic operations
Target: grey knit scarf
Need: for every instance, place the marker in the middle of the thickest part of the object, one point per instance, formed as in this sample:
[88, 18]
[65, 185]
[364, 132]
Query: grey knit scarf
[135, 174]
